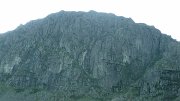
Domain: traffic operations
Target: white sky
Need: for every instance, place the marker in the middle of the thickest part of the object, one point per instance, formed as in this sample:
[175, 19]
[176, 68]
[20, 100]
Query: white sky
[163, 14]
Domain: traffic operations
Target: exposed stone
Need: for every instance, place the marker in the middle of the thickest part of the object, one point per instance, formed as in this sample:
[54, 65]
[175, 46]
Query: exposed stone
[89, 55]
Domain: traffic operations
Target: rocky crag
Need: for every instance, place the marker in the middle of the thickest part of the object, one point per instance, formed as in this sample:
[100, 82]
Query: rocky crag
[88, 56]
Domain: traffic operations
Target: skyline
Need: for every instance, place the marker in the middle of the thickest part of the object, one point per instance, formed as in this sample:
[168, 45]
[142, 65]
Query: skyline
[159, 13]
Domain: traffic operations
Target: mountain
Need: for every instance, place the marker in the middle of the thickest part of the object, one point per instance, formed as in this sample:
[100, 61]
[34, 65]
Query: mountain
[88, 56]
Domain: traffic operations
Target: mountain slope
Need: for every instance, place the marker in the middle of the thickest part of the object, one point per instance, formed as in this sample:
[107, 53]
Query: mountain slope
[90, 56]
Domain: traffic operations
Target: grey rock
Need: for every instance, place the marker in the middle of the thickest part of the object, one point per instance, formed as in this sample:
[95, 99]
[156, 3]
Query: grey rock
[89, 55]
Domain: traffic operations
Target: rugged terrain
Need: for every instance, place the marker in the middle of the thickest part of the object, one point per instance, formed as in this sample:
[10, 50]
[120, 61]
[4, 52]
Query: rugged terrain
[88, 56]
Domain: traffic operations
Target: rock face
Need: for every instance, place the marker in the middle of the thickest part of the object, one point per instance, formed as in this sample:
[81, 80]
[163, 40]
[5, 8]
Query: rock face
[79, 56]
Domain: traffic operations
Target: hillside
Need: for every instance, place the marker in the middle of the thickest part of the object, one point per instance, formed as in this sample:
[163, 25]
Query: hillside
[88, 56]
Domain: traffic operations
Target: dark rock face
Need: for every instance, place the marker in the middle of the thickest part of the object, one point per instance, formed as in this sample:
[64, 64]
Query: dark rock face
[78, 55]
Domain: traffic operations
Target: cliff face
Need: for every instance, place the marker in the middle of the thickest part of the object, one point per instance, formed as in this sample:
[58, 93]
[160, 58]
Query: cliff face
[90, 56]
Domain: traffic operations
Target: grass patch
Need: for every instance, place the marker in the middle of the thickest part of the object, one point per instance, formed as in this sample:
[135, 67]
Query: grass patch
[4, 88]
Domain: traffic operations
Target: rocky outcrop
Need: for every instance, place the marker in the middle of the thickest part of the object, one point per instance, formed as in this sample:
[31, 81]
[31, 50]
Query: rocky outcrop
[78, 55]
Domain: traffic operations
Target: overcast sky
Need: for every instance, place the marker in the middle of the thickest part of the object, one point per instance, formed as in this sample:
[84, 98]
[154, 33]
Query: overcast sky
[163, 14]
